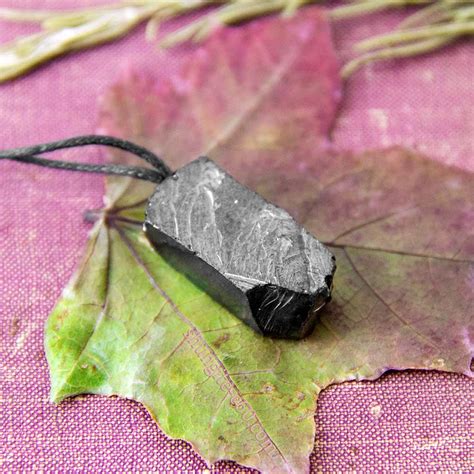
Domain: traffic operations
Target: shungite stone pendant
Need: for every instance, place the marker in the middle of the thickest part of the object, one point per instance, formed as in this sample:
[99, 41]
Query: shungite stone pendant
[249, 255]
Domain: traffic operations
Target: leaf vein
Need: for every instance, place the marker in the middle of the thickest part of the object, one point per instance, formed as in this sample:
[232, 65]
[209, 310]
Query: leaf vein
[385, 303]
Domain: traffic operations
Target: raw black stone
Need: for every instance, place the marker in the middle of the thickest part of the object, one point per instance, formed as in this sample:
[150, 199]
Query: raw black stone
[248, 254]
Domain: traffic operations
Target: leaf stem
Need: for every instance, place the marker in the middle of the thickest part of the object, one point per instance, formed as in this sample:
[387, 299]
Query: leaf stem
[423, 33]
[234, 12]
[436, 24]
[421, 47]
[358, 8]
[431, 14]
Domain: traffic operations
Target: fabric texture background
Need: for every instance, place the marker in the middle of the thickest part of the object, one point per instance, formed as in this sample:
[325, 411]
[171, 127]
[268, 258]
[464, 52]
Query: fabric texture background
[407, 421]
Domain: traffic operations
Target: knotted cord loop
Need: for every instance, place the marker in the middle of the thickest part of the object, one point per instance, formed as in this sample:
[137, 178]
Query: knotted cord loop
[156, 174]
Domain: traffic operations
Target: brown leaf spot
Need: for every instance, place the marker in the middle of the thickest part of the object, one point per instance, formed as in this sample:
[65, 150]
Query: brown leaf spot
[60, 319]
[221, 340]
[15, 326]
[268, 387]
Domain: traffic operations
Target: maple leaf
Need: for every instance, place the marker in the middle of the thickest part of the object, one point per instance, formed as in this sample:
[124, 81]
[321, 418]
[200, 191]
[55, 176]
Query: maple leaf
[260, 100]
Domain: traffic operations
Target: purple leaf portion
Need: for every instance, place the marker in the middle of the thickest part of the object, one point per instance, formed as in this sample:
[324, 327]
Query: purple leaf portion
[252, 94]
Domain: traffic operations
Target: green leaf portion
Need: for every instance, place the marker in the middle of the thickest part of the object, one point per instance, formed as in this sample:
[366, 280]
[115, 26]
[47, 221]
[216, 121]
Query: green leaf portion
[202, 374]
[73, 322]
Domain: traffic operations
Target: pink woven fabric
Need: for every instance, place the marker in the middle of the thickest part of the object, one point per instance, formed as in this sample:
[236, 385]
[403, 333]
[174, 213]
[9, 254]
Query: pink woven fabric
[425, 104]
[410, 421]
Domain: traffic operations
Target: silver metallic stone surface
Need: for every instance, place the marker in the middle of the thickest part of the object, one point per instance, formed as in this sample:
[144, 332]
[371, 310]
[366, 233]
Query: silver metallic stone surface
[250, 255]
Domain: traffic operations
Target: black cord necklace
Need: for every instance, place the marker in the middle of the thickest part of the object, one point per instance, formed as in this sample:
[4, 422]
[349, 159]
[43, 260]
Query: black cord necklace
[248, 254]
[156, 174]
